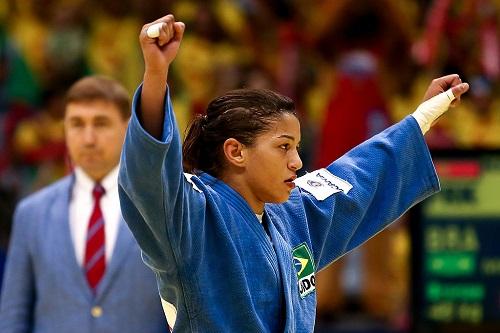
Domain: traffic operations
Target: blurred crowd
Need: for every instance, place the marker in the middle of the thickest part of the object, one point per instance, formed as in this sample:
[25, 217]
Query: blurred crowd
[352, 67]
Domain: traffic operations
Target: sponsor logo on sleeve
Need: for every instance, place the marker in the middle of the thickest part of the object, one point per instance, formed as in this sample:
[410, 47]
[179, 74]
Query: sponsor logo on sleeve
[304, 267]
[313, 183]
[322, 184]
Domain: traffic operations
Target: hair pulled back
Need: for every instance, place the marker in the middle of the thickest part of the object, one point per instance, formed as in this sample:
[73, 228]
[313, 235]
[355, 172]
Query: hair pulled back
[241, 114]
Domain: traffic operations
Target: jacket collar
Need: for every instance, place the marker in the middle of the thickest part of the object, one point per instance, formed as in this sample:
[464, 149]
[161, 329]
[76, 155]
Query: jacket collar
[228, 194]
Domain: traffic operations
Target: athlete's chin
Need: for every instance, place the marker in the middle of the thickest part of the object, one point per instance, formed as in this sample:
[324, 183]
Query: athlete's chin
[281, 198]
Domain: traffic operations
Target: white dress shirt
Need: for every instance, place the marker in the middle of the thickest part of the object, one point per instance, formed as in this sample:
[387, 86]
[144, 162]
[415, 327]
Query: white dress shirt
[81, 206]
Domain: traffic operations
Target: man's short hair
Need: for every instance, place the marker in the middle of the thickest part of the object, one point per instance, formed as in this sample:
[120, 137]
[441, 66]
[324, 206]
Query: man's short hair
[100, 88]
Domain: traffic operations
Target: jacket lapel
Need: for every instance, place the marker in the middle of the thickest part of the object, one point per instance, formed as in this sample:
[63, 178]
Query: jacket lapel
[124, 244]
[69, 264]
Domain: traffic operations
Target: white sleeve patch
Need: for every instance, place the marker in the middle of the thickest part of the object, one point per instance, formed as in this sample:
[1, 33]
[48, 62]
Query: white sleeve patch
[170, 313]
[322, 184]
[188, 178]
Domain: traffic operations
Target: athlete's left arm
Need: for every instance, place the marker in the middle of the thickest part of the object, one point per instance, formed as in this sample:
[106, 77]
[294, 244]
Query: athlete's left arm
[389, 173]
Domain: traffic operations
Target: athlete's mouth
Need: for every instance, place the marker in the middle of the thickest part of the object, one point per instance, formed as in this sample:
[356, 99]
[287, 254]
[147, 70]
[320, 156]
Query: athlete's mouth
[290, 181]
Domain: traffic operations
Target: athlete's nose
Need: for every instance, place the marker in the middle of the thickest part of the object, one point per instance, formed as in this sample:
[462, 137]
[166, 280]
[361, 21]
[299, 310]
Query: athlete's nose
[295, 162]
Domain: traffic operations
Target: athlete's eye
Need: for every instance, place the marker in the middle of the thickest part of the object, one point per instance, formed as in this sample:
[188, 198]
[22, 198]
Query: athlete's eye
[285, 146]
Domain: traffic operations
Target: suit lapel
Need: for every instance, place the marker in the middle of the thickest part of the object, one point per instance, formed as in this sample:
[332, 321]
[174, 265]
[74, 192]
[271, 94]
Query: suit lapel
[69, 264]
[124, 244]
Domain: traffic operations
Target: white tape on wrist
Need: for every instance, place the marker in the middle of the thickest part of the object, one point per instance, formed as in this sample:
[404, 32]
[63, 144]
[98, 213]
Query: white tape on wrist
[432, 109]
[153, 30]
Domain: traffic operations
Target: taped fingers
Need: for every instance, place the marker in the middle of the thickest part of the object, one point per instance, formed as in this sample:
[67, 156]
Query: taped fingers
[165, 24]
[449, 94]
[153, 31]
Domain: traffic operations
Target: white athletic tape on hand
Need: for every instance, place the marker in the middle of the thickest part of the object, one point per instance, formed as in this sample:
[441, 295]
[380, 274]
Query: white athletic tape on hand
[153, 31]
[450, 95]
[432, 109]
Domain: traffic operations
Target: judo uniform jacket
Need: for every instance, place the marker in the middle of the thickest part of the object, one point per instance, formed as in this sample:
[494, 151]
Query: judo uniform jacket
[217, 269]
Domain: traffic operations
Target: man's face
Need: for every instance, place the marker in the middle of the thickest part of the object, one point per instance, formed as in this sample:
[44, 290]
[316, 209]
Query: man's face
[273, 162]
[95, 132]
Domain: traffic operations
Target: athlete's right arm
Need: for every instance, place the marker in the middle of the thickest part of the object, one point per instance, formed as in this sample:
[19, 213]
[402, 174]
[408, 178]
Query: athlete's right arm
[158, 52]
[157, 201]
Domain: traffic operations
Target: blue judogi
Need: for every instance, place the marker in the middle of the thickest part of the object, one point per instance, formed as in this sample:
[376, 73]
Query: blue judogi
[217, 269]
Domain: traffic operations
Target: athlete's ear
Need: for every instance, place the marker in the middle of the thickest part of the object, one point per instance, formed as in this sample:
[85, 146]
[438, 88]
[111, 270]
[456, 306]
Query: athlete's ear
[234, 152]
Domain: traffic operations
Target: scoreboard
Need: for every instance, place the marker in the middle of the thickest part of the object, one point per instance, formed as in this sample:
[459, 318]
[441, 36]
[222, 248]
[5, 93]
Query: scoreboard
[456, 247]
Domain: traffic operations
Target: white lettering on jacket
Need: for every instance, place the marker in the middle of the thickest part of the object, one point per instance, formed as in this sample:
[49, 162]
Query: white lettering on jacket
[322, 184]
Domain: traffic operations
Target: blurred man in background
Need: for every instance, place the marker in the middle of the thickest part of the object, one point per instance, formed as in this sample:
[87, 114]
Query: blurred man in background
[72, 263]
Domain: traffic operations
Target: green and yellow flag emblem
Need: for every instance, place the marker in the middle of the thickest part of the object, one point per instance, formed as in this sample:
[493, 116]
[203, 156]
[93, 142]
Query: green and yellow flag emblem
[304, 266]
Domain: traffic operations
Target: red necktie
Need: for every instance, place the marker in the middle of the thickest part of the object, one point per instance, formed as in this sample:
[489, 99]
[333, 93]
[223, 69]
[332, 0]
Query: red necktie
[95, 261]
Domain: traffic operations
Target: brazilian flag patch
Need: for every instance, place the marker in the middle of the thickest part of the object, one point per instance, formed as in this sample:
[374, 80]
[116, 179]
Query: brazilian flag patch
[304, 266]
